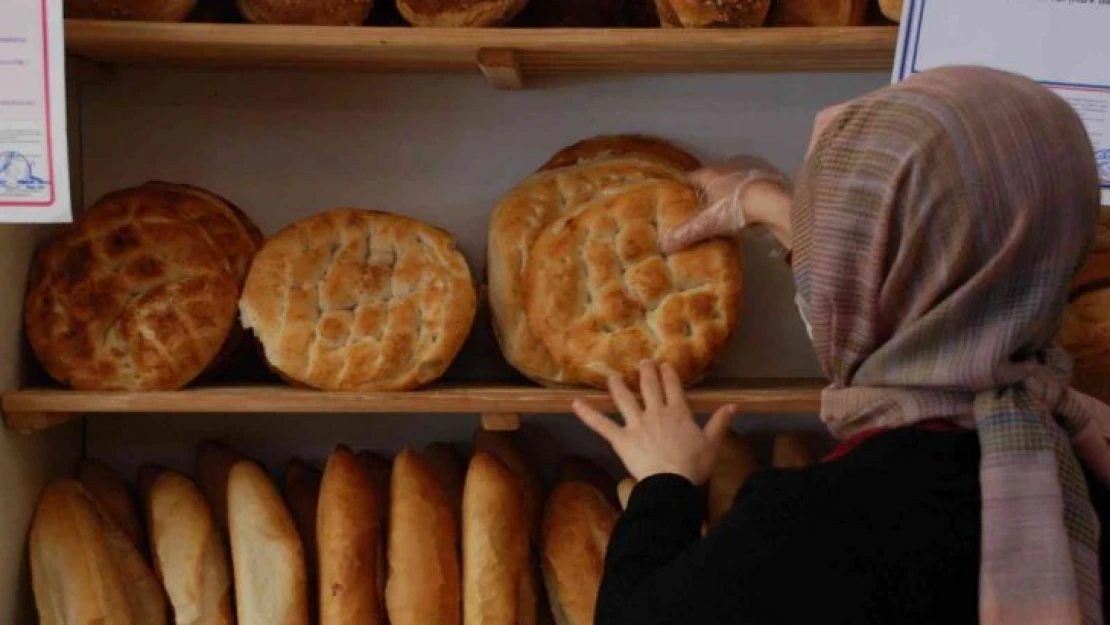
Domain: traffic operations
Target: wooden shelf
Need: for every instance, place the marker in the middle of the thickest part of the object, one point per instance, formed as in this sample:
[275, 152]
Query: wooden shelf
[529, 51]
[36, 409]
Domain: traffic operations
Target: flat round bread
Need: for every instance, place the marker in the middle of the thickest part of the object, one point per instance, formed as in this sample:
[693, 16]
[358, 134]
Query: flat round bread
[601, 297]
[138, 10]
[519, 219]
[459, 13]
[135, 295]
[622, 145]
[359, 300]
[307, 12]
[1085, 335]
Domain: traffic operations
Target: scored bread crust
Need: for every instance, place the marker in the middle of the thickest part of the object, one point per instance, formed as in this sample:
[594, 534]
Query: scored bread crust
[577, 523]
[138, 10]
[612, 146]
[188, 553]
[498, 583]
[821, 12]
[83, 568]
[266, 552]
[459, 13]
[307, 12]
[423, 586]
[519, 219]
[710, 13]
[110, 491]
[134, 295]
[601, 297]
[360, 300]
[349, 543]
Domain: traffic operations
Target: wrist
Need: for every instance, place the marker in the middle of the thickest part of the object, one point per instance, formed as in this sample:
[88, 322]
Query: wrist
[767, 203]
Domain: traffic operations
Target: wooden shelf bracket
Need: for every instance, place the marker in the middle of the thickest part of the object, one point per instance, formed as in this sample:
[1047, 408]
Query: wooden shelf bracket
[500, 421]
[501, 68]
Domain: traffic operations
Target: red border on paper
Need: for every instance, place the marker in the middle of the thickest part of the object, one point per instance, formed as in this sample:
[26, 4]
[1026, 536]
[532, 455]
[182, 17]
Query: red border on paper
[49, 116]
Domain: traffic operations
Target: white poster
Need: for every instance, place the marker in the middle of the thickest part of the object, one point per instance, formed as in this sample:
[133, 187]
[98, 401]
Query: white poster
[34, 167]
[1064, 44]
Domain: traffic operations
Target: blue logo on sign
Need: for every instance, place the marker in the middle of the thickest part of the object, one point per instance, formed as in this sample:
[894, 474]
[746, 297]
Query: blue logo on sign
[17, 173]
[1102, 157]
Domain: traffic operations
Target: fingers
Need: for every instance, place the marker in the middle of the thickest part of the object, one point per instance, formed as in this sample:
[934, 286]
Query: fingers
[596, 421]
[624, 399]
[719, 423]
[695, 230]
[673, 392]
[650, 387]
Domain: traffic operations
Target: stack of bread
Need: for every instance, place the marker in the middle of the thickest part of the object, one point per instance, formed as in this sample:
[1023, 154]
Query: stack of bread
[1085, 333]
[359, 300]
[140, 292]
[579, 289]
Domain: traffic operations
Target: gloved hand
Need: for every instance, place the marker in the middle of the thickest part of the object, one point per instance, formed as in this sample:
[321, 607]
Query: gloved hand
[722, 188]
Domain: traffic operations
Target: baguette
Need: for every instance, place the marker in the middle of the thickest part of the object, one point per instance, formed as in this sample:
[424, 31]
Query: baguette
[423, 586]
[189, 556]
[380, 469]
[349, 543]
[892, 9]
[576, 468]
[735, 463]
[213, 465]
[577, 522]
[302, 491]
[507, 448]
[447, 466]
[84, 569]
[110, 491]
[266, 552]
[499, 587]
[791, 451]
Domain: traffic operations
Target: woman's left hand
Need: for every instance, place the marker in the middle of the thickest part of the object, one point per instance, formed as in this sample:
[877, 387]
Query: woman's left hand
[661, 436]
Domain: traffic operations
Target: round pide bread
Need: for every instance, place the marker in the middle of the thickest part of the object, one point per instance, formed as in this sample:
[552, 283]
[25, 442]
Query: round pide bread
[601, 297]
[137, 294]
[361, 300]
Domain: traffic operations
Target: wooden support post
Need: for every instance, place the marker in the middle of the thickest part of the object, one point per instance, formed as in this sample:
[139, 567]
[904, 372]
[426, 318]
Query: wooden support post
[501, 68]
[30, 422]
[500, 421]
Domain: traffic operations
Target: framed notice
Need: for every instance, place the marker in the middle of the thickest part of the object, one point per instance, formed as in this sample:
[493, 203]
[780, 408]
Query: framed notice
[34, 167]
[1064, 44]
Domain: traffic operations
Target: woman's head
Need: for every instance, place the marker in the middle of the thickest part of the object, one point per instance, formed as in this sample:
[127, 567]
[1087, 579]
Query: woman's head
[945, 215]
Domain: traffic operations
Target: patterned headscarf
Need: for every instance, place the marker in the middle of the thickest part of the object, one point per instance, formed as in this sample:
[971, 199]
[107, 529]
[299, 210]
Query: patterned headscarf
[937, 225]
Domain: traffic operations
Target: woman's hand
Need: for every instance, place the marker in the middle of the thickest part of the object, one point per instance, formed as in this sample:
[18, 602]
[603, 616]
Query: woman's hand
[661, 436]
[739, 192]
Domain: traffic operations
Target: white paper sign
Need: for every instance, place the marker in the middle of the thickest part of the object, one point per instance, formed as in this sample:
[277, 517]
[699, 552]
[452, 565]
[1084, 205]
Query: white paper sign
[1064, 44]
[34, 164]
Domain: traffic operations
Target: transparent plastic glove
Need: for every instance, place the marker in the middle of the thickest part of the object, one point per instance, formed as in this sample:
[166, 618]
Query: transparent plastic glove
[721, 188]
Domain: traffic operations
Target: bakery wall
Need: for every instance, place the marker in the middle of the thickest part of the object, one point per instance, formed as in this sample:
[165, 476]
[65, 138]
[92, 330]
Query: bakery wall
[440, 148]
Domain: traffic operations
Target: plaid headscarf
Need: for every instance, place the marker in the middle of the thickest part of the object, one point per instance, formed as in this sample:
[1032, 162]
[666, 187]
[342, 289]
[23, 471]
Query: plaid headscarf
[937, 225]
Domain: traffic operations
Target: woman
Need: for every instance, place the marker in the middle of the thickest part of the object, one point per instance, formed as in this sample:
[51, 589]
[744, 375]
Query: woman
[934, 232]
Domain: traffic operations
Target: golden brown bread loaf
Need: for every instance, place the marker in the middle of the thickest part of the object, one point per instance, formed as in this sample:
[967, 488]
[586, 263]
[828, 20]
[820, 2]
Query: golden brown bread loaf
[137, 10]
[710, 13]
[821, 12]
[520, 218]
[791, 451]
[84, 569]
[350, 545]
[577, 523]
[447, 466]
[605, 298]
[892, 9]
[307, 12]
[624, 491]
[424, 583]
[213, 464]
[459, 13]
[612, 146]
[735, 463]
[380, 469]
[188, 553]
[509, 449]
[111, 492]
[134, 295]
[359, 300]
[1085, 333]
[575, 468]
[499, 587]
[302, 491]
[266, 552]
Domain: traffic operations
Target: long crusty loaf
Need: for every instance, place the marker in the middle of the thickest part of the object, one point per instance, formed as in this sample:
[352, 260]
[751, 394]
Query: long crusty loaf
[301, 483]
[113, 495]
[266, 552]
[499, 587]
[84, 569]
[577, 523]
[188, 553]
[213, 467]
[424, 585]
[508, 448]
[349, 544]
[447, 466]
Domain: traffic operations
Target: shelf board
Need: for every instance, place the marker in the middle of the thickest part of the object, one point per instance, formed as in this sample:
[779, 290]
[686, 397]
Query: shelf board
[35, 409]
[534, 51]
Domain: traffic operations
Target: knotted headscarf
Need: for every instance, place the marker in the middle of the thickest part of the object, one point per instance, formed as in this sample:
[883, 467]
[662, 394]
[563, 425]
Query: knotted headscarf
[937, 225]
